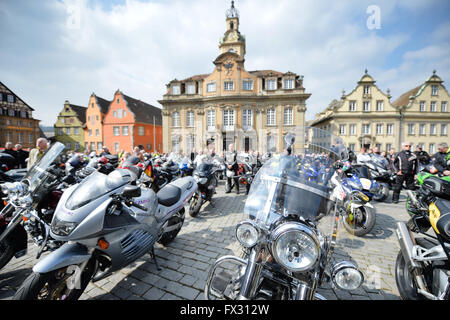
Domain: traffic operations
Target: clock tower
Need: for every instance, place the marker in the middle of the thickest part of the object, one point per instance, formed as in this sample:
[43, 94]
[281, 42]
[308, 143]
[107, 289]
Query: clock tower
[232, 40]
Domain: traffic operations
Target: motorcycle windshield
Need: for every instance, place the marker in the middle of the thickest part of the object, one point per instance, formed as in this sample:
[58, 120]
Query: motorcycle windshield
[282, 188]
[38, 173]
[97, 185]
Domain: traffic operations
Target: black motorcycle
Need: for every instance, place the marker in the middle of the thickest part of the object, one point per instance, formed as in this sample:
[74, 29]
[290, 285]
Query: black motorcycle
[206, 178]
[286, 256]
[30, 207]
[422, 269]
[380, 172]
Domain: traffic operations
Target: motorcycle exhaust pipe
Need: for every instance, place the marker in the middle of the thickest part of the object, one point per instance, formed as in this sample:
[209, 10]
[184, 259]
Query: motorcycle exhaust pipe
[406, 244]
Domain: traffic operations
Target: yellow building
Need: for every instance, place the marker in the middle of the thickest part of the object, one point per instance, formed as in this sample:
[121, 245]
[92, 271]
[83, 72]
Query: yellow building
[424, 114]
[366, 117]
[251, 109]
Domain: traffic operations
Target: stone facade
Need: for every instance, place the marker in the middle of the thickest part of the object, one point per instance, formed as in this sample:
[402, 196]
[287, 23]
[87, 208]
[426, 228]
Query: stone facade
[366, 116]
[16, 120]
[251, 109]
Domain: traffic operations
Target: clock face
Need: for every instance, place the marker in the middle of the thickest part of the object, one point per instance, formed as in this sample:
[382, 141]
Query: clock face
[228, 65]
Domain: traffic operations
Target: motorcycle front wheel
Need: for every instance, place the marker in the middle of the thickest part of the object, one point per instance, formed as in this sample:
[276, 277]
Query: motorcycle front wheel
[196, 204]
[54, 285]
[361, 223]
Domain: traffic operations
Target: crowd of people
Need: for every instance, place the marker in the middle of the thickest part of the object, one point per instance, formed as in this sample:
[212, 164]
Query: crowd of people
[406, 164]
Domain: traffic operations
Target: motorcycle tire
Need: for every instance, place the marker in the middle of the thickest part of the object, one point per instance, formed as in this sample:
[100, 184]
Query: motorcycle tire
[53, 282]
[368, 221]
[168, 237]
[384, 193]
[404, 279]
[6, 253]
[195, 205]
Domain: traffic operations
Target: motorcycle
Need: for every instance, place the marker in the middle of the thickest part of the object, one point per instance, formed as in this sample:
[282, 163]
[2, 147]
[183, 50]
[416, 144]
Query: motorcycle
[422, 269]
[247, 170]
[358, 215]
[106, 222]
[382, 175]
[30, 207]
[205, 176]
[164, 174]
[286, 255]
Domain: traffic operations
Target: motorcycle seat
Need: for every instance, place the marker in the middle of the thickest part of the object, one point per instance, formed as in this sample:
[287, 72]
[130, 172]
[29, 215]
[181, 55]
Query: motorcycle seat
[169, 195]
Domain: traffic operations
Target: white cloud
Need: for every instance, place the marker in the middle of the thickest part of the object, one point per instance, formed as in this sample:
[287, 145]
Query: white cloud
[140, 46]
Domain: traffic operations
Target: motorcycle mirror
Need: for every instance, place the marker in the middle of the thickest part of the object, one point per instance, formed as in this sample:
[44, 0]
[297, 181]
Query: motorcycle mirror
[289, 139]
[131, 192]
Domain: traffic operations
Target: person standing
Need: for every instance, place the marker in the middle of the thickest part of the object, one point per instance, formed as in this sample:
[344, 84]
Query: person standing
[442, 160]
[9, 150]
[391, 157]
[232, 169]
[422, 156]
[363, 156]
[406, 166]
[37, 153]
[22, 155]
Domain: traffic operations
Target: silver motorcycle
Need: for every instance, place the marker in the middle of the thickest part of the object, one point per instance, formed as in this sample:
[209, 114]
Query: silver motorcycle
[106, 222]
[286, 255]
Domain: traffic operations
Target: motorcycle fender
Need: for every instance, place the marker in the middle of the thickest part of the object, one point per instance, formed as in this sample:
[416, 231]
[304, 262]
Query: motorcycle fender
[68, 254]
[18, 237]
[357, 205]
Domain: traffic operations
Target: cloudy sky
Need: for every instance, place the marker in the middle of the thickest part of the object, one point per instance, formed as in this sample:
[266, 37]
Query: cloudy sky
[52, 51]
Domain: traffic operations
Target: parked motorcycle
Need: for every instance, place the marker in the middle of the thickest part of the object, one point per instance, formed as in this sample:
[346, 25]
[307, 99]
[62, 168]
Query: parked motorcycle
[205, 176]
[422, 269]
[106, 222]
[286, 257]
[358, 215]
[30, 208]
[380, 172]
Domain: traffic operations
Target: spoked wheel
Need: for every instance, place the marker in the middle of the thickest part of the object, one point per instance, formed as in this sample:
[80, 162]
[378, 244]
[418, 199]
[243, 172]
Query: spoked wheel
[360, 222]
[169, 236]
[55, 285]
[196, 204]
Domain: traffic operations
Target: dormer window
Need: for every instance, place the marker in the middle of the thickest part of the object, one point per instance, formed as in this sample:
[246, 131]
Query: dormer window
[176, 90]
[288, 84]
[271, 84]
[190, 88]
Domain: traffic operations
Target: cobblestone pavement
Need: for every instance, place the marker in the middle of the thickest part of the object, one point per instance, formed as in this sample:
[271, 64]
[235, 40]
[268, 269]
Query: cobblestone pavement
[203, 239]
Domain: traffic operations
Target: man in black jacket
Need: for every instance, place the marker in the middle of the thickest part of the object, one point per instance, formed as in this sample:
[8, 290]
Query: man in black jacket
[422, 156]
[406, 166]
[9, 150]
[22, 155]
[442, 159]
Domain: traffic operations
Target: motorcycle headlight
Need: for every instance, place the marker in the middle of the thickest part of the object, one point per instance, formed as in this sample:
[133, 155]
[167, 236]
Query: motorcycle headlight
[62, 228]
[346, 276]
[16, 187]
[247, 234]
[295, 246]
[200, 180]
